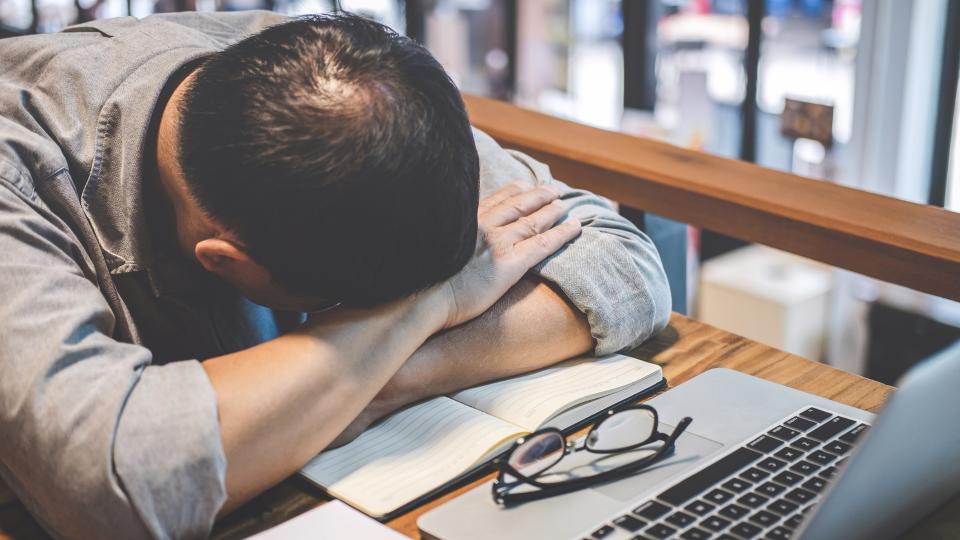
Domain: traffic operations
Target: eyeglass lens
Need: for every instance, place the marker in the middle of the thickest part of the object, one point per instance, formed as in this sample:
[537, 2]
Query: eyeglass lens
[622, 430]
[537, 453]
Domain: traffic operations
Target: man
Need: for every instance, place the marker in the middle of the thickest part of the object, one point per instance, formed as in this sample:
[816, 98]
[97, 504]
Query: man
[158, 175]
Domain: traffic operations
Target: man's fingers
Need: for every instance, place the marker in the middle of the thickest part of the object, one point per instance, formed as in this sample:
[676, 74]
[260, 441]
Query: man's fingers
[539, 247]
[520, 205]
[534, 224]
[500, 195]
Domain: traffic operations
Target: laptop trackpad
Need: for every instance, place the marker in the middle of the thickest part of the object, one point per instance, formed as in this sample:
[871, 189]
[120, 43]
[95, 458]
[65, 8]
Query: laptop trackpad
[690, 449]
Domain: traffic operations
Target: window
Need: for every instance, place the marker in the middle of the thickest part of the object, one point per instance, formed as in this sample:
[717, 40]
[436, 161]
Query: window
[953, 176]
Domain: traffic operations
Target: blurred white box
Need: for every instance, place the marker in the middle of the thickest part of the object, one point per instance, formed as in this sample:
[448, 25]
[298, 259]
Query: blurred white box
[768, 296]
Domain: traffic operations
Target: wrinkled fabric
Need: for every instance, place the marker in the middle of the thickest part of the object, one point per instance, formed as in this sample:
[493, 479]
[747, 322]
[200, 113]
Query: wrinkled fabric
[612, 272]
[108, 423]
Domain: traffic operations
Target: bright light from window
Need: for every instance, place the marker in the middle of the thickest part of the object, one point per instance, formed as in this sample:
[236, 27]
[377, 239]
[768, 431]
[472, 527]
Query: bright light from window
[953, 172]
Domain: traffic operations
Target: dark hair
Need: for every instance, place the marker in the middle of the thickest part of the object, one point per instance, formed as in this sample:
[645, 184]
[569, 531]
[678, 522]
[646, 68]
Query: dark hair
[339, 153]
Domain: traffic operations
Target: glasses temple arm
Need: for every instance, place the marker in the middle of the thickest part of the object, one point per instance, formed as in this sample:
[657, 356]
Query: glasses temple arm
[677, 431]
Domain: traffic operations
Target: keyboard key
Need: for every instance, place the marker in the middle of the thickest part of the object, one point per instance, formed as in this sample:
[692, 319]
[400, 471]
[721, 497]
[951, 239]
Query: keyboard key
[754, 474]
[794, 521]
[746, 530]
[828, 473]
[804, 467]
[699, 507]
[804, 443]
[764, 518]
[660, 531]
[815, 414]
[800, 495]
[838, 448]
[651, 510]
[736, 485]
[718, 496]
[815, 484]
[629, 523]
[851, 436]
[821, 457]
[782, 507]
[695, 534]
[753, 500]
[772, 464]
[765, 444]
[733, 511]
[602, 532]
[779, 533]
[680, 519]
[771, 489]
[726, 537]
[787, 478]
[694, 485]
[798, 423]
[783, 432]
[827, 431]
[788, 453]
[715, 523]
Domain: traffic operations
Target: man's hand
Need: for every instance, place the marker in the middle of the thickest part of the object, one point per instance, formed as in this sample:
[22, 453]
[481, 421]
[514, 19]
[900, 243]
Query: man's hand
[516, 231]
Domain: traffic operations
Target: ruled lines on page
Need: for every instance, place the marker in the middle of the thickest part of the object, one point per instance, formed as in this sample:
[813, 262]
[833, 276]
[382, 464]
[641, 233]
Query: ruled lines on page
[529, 400]
[409, 454]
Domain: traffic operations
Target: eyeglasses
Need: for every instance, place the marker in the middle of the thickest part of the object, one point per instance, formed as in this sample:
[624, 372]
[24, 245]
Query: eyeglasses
[619, 431]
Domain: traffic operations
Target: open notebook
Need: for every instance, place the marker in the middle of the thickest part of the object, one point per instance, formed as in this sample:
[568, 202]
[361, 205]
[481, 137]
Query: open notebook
[418, 452]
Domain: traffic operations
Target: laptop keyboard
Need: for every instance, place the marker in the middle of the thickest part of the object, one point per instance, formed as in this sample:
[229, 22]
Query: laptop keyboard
[762, 489]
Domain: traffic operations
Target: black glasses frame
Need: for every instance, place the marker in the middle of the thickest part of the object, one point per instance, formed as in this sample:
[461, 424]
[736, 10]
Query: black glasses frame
[501, 487]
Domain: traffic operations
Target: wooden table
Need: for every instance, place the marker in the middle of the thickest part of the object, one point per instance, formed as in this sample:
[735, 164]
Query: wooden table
[685, 349]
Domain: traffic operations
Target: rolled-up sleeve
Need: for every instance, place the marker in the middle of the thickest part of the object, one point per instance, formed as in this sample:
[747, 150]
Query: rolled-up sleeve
[94, 439]
[612, 272]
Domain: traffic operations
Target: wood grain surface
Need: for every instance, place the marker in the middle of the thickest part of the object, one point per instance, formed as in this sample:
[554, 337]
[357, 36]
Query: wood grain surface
[914, 245]
[685, 349]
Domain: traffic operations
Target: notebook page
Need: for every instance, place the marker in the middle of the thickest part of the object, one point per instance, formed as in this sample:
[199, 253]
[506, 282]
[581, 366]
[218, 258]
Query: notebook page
[530, 400]
[408, 455]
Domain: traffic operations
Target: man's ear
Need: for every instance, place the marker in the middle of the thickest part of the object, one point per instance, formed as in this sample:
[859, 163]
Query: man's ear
[230, 262]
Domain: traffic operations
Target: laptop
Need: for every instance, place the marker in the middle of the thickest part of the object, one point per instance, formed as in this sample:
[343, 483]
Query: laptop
[760, 460]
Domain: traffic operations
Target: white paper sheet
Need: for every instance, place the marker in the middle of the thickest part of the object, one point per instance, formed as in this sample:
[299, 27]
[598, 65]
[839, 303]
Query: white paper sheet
[332, 520]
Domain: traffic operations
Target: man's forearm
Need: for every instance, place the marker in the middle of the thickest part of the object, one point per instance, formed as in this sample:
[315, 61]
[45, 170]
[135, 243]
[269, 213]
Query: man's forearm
[531, 327]
[320, 378]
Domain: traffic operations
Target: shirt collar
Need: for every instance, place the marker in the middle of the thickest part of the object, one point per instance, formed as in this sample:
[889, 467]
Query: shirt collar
[113, 196]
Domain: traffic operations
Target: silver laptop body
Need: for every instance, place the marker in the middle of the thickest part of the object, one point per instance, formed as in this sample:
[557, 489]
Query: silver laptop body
[901, 470]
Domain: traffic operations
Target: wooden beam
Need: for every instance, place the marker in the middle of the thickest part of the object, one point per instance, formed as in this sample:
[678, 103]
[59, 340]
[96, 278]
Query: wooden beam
[909, 244]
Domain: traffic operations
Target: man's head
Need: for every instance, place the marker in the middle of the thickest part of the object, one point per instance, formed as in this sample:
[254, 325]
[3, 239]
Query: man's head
[336, 157]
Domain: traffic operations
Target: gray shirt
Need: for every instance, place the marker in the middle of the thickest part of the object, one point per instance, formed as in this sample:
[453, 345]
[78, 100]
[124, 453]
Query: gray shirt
[108, 423]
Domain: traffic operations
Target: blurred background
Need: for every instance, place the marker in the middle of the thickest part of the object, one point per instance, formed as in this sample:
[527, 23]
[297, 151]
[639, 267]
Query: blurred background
[858, 92]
